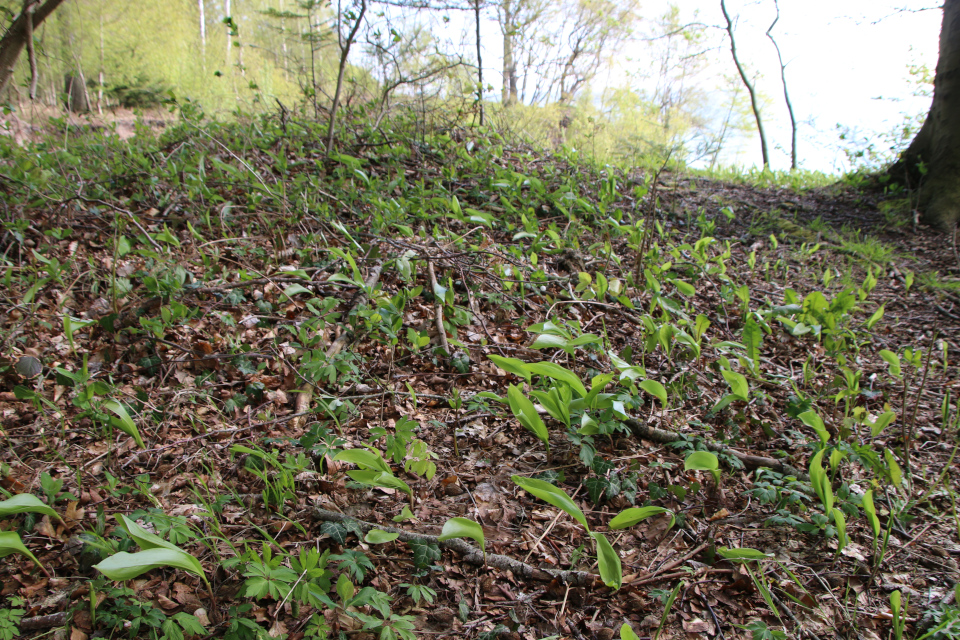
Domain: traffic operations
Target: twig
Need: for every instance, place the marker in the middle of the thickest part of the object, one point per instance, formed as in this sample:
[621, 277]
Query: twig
[640, 430]
[471, 554]
[438, 310]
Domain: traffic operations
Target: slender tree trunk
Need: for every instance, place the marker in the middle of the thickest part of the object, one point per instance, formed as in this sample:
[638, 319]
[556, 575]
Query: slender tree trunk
[932, 161]
[15, 39]
[201, 5]
[786, 94]
[509, 93]
[476, 12]
[28, 8]
[100, 71]
[344, 53]
[748, 85]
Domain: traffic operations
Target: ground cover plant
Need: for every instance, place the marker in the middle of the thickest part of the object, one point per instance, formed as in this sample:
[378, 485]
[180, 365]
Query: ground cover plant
[441, 384]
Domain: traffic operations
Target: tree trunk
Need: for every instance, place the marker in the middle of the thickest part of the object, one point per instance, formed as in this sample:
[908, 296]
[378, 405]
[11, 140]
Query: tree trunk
[748, 85]
[509, 92]
[15, 39]
[931, 163]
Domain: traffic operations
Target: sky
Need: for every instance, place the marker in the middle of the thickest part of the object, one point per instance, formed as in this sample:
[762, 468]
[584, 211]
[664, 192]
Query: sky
[847, 64]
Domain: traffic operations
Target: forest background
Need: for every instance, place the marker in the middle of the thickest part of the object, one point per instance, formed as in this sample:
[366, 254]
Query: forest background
[611, 77]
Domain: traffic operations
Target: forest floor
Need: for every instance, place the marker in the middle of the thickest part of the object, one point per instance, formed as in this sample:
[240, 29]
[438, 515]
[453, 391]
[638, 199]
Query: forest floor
[231, 339]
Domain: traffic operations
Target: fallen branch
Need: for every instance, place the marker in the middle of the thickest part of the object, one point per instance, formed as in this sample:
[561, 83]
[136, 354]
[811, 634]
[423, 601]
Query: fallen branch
[471, 554]
[306, 392]
[438, 310]
[662, 436]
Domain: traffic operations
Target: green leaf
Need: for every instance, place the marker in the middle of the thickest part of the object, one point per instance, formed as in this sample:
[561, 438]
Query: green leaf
[684, 288]
[294, 289]
[363, 458]
[10, 543]
[896, 475]
[871, 510]
[875, 318]
[374, 478]
[345, 588]
[142, 537]
[463, 528]
[379, 536]
[812, 420]
[547, 341]
[893, 360]
[404, 515]
[126, 566]
[820, 481]
[840, 522]
[525, 412]
[743, 553]
[552, 495]
[512, 365]
[881, 423]
[738, 384]
[556, 372]
[611, 571]
[627, 633]
[655, 389]
[124, 422]
[703, 461]
[630, 517]
[25, 503]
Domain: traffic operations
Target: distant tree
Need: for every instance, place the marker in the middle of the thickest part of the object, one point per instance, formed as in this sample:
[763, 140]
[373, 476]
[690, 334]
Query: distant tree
[931, 164]
[18, 35]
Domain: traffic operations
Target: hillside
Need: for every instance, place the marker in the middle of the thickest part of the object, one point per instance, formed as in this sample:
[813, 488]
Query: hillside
[687, 405]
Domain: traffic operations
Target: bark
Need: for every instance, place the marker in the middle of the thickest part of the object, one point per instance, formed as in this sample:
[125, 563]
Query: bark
[509, 64]
[476, 10]
[15, 39]
[931, 164]
[748, 85]
[341, 73]
[786, 94]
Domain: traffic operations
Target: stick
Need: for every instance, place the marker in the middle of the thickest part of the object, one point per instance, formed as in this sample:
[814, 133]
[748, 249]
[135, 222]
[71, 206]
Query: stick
[438, 310]
[471, 554]
[640, 430]
[306, 392]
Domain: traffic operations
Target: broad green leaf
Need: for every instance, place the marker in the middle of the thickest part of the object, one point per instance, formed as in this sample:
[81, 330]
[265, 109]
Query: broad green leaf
[404, 515]
[294, 289]
[743, 553]
[126, 566]
[345, 588]
[611, 571]
[896, 476]
[375, 478]
[556, 372]
[684, 288]
[363, 458]
[871, 510]
[752, 338]
[627, 633]
[655, 389]
[820, 482]
[840, 522]
[881, 423]
[547, 341]
[875, 318]
[685, 338]
[10, 543]
[525, 412]
[633, 515]
[142, 537]
[552, 495]
[738, 384]
[512, 365]
[463, 528]
[556, 406]
[124, 422]
[893, 360]
[25, 503]
[703, 461]
[379, 536]
[812, 420]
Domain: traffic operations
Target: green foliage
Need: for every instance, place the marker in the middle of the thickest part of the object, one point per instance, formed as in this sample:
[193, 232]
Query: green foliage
[10, 618]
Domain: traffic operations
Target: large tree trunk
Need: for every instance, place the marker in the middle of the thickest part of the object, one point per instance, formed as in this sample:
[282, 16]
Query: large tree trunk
[931, 164]
[15, 39]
